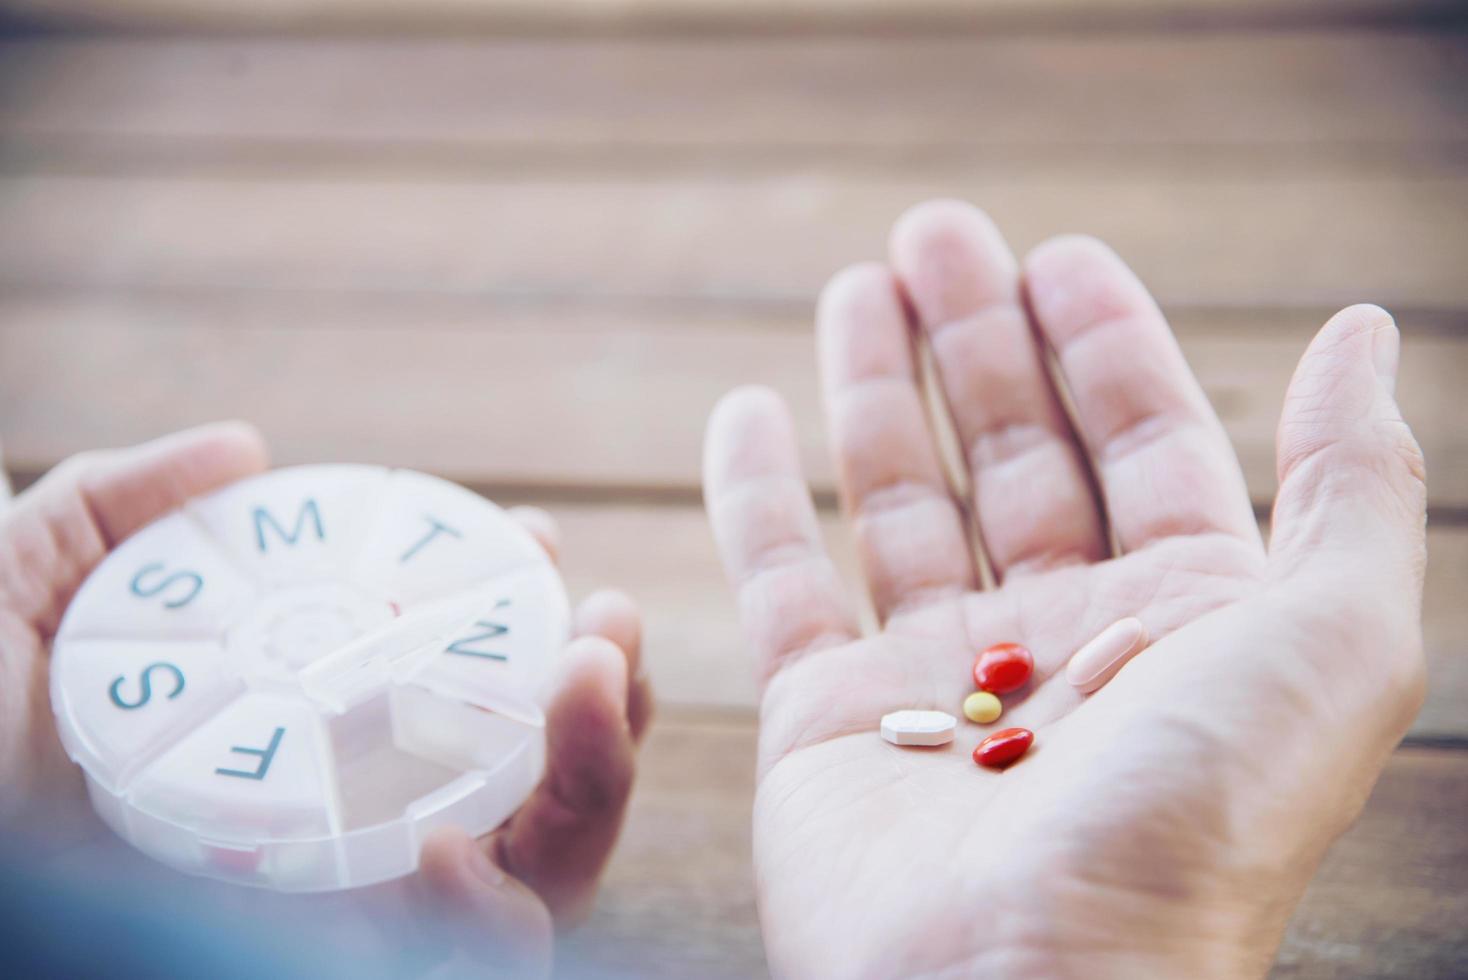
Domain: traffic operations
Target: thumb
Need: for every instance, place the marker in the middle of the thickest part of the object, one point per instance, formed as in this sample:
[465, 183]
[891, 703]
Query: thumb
[1352, 502]
[1348, 543]
[59, 529]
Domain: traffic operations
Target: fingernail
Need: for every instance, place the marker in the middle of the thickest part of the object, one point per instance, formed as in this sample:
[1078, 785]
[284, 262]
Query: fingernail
[1094, 663]
[1386, 347]
[485, 869]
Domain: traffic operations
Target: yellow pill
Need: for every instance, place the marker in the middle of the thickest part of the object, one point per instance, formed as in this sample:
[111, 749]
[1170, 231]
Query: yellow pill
[982, 707]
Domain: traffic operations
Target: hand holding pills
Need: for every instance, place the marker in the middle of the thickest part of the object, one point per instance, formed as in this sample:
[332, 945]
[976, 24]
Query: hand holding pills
[1150, 783]
[247, 708]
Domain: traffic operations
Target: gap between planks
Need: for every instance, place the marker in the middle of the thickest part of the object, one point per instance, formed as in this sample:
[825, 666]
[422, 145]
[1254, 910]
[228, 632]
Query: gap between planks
[397, 162]
[702, 18]
[616, 401]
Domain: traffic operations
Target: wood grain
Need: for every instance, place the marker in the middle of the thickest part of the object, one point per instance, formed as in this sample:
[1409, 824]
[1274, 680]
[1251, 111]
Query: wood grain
[1389, 901]
[1216, 240]
[1328, 99]
[754, 16]
[530, 252]
[563, 396]
[1392, 895]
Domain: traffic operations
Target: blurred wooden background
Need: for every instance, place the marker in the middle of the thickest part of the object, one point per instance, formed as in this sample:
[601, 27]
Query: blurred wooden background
[527, 245]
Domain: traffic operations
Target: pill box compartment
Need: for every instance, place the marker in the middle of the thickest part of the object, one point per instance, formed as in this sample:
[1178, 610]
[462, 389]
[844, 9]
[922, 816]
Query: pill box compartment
[293, 681]
[352, 799]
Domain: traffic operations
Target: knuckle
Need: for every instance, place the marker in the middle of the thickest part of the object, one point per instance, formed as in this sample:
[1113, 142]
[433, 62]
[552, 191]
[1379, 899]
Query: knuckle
[1313, 453]
[1408, 453]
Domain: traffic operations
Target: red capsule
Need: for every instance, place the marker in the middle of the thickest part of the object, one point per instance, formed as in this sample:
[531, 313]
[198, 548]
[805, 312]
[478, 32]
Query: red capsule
[1002, 668]
[1003, 747]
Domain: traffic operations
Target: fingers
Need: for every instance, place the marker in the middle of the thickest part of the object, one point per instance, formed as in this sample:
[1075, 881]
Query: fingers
[128, 488]
[1352, 491]
[789, 593]
[560, 840]
[64, 525]
[498, 922]
[542, 527]
[1348, 536]
[607, 613]
[1160, 454]
[909, 531]
[1032, 495]
[613, 615]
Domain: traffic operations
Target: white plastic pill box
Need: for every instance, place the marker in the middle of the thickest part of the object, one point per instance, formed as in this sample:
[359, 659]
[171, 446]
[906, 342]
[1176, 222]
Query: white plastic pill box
[290, 682]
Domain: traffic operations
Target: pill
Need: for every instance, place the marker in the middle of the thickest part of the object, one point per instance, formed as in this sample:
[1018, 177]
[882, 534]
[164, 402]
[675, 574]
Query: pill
[981, 707]
[1003, 747]
[913, 727]
[1002, 668]
[1098, 661]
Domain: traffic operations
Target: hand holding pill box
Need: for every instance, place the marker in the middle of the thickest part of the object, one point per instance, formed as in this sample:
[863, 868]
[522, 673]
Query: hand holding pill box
[290, 682]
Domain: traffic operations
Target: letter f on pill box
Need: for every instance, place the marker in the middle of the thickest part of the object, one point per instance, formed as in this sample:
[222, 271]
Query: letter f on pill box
[290, 682]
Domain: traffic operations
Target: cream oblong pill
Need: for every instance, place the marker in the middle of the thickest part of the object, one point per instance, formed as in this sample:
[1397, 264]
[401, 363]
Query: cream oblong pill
[914, 727]
[1095, 663]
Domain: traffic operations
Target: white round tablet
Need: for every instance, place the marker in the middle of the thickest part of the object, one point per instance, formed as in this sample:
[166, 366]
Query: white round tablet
[290, 682]
[914, 727]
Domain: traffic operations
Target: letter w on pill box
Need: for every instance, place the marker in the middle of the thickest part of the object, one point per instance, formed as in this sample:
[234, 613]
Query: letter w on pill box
[289, 682]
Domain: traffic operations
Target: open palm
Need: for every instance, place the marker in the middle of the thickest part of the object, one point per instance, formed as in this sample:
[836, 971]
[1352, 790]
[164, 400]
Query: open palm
[1170, 821]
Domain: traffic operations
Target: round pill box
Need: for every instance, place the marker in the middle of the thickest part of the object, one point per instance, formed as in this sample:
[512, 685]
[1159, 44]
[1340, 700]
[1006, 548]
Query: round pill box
[289, 682]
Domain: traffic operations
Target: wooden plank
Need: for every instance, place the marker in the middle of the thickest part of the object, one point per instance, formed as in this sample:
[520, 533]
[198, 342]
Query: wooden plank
[1199, 240]
[1392, 895]
[98, 102]
[678, 901]
[570, 397]
[755, 16]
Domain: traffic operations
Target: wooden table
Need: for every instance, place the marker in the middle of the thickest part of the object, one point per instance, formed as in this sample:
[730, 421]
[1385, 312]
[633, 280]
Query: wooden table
[527, 245]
